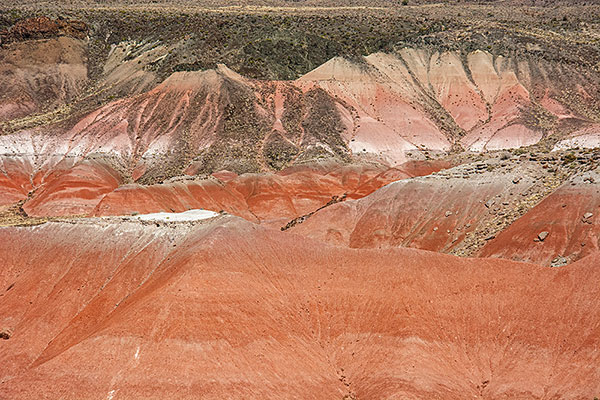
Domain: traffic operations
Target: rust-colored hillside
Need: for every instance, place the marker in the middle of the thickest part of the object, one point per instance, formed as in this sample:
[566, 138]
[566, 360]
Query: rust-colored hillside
[299, 200]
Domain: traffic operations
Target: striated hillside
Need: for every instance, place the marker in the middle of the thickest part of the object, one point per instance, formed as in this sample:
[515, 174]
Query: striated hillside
[385, 106]
[494, 208]
[224, 308]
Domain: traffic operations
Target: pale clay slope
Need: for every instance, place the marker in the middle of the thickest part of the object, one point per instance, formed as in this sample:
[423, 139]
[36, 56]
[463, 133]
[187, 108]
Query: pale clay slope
[388, 105]
[392, 97]
[585, 138]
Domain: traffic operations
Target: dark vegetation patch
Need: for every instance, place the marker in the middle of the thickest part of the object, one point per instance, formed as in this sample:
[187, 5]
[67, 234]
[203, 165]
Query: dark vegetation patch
[323, 125]
[278, 152]
[238, 135]
[294, 108]
[272, 44]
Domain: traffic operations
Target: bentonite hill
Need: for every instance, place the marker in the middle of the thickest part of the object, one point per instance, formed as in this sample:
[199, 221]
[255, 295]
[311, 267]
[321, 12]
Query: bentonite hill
[300, 199]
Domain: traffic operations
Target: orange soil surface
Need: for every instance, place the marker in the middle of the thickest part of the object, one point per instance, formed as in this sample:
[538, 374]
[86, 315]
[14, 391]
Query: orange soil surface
[229, 309]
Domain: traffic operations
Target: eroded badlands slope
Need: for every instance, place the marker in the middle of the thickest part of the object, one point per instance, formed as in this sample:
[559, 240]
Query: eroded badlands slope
[386, 108]
[496, 207]
[80, 127]
[225, 308]
[94, 188]
[437, 212]
[569, 216]
[331, 180]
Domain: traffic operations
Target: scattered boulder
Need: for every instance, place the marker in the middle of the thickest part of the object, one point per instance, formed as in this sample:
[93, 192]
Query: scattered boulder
[559, 261]
[542, 236]
[490, 203]
[5, 334]
[448, 213]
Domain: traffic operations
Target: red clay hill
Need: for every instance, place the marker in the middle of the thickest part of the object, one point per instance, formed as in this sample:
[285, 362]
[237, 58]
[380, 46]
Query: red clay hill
[225, 308]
